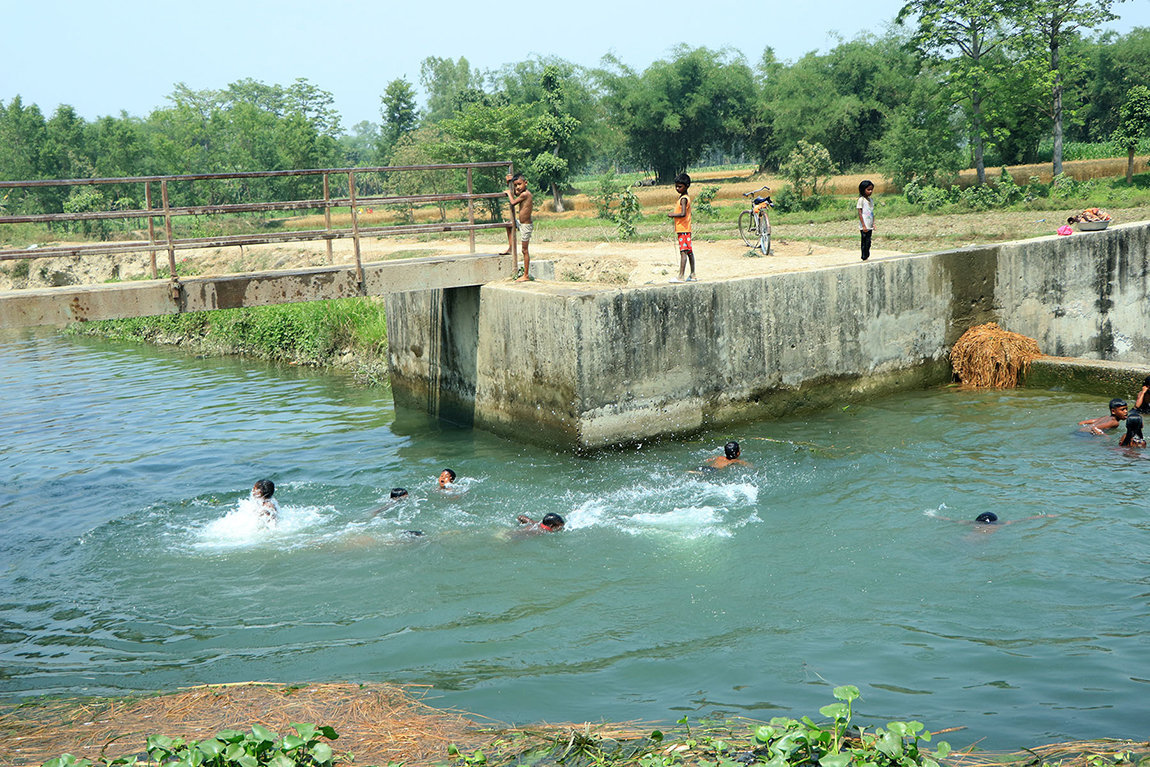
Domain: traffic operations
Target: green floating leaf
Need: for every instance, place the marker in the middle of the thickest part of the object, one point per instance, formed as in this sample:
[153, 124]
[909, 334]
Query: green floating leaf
[329, 732]
[322, 753]
[943, 749]
[764, 734]
[292, 742]
[835, 760]
[836, 710]
[281, 760]
[247, 760]
[656, 736]
[847, 692]
[305, 730]
[263, 733]
[211, 748]
[453, 750]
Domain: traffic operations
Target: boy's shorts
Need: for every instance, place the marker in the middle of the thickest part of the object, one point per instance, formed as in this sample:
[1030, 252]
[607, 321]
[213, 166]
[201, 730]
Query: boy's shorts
[685, 242]
[525, 231]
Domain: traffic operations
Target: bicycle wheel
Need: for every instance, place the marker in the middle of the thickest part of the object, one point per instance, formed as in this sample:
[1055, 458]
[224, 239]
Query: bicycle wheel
[746, 227]
[765, 235]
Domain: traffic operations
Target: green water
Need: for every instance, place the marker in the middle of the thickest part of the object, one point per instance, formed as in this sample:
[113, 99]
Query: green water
[130, 561]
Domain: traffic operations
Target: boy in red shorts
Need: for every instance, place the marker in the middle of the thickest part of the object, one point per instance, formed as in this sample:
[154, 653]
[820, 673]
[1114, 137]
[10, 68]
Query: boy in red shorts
[682, 216]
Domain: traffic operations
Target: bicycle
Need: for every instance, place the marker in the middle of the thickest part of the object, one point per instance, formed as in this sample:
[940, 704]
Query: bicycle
[755, 224]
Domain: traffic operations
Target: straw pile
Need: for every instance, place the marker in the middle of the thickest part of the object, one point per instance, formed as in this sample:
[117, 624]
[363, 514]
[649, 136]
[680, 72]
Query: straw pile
[378, 723]
[988, 357]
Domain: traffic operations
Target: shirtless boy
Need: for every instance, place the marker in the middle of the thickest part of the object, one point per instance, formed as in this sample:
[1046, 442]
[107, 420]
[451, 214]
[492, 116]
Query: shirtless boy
[521, 197]
[730, 457]
[551, 523]
[1118, 412]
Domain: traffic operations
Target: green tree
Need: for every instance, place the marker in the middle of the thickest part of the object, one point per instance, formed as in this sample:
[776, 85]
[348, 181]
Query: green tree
[400, 116]
[1115, 64]
[448, 84]
[1133, 125]
[360, 146]
[971, 29]
[676, 108]
[22, 130]
[841, 99]
[315, 104]
[485, 133]
[1053, 22]
[919, 143]
[806, 166]
[553, 128]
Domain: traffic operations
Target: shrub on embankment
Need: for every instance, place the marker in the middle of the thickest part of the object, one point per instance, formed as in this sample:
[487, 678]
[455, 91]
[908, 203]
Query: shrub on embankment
[348, 333]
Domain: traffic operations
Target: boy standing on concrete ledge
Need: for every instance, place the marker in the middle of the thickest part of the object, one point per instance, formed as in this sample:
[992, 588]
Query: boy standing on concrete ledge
[525, 201]
[682, 218]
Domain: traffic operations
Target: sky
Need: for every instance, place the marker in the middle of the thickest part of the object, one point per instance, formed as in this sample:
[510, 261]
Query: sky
[104, 57]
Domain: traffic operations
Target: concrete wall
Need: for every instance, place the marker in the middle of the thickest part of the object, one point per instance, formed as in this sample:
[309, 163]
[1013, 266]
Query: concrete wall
[584, 368]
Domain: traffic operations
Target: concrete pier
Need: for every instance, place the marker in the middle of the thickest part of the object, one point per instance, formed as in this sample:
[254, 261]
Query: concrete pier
[582, 368]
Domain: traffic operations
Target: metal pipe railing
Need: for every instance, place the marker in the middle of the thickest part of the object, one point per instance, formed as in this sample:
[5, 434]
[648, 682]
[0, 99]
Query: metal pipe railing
[168, 212]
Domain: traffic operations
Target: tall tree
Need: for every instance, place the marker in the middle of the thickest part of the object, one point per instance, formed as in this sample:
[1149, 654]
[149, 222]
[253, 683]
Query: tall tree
[676, 108]
[447, 84]
[1054, 21]
[554, 127]
[1134, 124]
[400, 116]
[973, 29]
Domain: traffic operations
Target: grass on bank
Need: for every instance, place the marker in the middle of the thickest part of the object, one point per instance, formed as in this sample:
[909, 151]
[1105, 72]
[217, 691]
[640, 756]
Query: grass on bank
[316, 333]
[240, 725]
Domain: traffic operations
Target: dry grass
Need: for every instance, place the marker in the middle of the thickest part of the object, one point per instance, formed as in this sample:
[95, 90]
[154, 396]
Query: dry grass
[377, 723]
[989, 357]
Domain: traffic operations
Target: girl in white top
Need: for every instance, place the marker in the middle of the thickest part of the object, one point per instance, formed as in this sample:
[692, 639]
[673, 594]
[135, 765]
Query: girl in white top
[865, 209]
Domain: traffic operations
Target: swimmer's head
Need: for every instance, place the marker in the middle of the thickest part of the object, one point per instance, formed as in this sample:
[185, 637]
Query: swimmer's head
[986, 518]
[1117, 405]
[552, 522]
[731, 450]
[446, 477]
[1134, 425]
[1146, 382]
[398, 492]
[264, 488]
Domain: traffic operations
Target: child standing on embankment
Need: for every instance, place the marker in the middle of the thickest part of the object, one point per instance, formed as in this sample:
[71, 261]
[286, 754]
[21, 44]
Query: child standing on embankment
[682, 218]
[526, 203]
[865, 209]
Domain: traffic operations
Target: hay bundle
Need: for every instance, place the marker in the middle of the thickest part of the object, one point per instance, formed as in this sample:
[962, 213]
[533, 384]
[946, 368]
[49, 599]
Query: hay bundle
[989, 357]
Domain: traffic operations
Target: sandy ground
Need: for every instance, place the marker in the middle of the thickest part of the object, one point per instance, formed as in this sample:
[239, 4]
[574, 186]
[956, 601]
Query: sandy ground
[607, 264]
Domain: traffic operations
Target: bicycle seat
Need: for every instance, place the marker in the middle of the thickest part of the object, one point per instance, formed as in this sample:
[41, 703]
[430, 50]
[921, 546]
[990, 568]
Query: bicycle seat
[761, 200]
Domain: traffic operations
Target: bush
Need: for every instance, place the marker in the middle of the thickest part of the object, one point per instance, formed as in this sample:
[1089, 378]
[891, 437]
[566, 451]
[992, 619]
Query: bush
[630, 212]
[979, 197]
[704, 200]
[606, 195]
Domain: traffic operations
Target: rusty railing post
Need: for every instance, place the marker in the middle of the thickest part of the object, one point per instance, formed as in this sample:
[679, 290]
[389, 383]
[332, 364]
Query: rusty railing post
[327, 215]
[514, 239]
[151, 228]
[355, 230]
[470, 211]
[175, 280]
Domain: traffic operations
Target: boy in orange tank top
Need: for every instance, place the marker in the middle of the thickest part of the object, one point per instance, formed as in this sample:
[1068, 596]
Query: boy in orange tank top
[682, 217]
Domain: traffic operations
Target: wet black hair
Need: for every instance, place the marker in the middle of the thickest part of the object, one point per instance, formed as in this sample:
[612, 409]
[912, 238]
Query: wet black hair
[413, 533]
[683, 179]
[1146, 381]
[1133, 427]
[987, 518]
[1116, 403]
[518, 176]
[450, 474]
[731, 450]
[398, 492]
[266, 487]
[863, 185]
[552, 520]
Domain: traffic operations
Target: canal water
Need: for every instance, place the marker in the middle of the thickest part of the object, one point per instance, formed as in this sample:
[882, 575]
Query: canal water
[130, 558]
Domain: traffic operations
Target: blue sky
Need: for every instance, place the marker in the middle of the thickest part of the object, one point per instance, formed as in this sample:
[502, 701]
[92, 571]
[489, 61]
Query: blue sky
[102, 57]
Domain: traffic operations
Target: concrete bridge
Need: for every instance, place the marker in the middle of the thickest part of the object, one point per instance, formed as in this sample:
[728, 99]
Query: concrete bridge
[176, 293]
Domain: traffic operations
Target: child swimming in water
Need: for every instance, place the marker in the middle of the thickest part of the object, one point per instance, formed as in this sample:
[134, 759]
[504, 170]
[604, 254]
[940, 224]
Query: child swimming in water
[1133, 436]
[267, 508]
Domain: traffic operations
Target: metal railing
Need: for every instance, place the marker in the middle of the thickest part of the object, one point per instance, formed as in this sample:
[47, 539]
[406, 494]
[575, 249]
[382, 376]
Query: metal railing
[166, 213]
